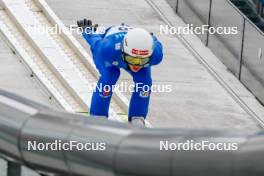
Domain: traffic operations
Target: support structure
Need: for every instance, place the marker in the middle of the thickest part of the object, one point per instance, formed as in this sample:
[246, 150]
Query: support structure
[13, 169]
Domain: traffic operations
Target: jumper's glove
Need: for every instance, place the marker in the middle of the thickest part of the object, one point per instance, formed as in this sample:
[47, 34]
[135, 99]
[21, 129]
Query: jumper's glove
[87, 25]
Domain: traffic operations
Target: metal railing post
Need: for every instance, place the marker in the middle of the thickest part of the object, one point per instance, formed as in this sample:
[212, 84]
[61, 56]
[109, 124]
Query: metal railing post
[262, 9]
[13, 169]
[177, 6]
[242, 49]
[209, 22]
[258, 3]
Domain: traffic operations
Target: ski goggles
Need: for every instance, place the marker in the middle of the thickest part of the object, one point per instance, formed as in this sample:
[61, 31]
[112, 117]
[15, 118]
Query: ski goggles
[136, 60]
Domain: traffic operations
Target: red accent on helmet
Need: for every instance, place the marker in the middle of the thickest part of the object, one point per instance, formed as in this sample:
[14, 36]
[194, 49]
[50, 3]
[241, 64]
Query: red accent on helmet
[140, 52]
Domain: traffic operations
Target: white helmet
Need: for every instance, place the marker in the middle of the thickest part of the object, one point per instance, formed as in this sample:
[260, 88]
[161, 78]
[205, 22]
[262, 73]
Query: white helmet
[138, 43]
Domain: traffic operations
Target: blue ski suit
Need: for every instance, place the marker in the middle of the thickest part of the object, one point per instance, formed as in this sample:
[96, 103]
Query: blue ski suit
[106, 49]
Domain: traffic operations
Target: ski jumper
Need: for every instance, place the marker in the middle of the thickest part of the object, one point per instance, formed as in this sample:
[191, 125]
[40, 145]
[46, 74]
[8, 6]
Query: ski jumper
[106, 49]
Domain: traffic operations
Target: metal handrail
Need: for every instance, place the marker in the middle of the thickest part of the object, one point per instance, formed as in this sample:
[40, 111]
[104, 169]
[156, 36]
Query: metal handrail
[129, 150]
